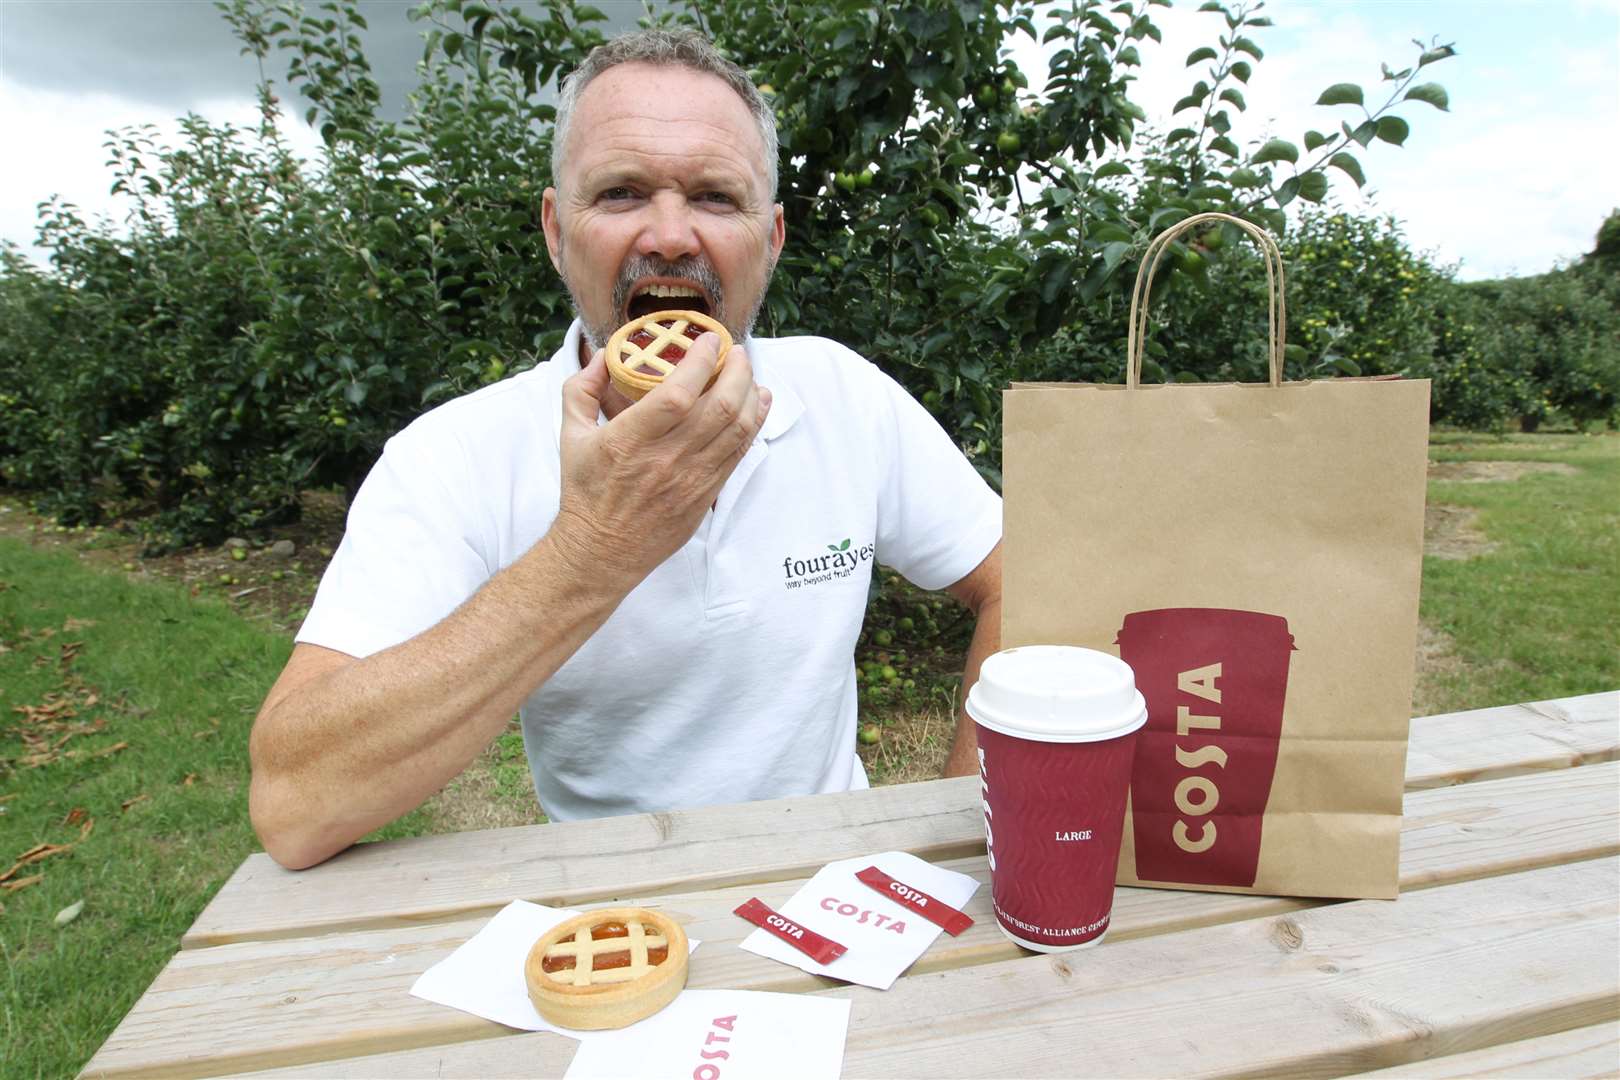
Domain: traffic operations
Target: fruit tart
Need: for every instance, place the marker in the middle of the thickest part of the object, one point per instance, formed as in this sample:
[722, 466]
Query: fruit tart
[607, 968]
[644, 350]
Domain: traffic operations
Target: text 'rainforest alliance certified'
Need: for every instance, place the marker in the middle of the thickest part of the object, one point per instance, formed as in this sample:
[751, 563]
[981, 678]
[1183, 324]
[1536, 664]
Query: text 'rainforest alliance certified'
[841, 561]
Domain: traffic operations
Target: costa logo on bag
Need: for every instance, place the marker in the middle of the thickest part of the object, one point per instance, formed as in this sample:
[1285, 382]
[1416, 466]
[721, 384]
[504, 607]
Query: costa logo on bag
[1215, 682]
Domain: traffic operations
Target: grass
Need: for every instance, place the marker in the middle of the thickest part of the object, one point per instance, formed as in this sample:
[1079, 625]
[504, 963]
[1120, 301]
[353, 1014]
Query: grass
[1524, 610]
[124, 714]
[1534, 617]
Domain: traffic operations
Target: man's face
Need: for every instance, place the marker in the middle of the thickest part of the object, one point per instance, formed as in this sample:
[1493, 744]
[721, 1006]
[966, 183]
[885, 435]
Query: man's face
[663, 202]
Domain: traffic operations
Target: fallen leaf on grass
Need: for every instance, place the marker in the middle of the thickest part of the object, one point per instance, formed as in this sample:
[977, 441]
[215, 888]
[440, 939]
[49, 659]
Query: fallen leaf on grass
[191, 778]
[21, 883]
[75, 815]
[73, 624]
[41, 852]
[127, 803]
[8, 798]
[69, 913]
[37, 853]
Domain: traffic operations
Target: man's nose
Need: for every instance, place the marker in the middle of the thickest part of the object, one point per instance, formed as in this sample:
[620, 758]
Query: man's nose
[669, 230]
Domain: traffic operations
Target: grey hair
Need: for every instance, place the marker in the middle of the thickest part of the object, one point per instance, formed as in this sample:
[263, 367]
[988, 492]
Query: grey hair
[665, 48]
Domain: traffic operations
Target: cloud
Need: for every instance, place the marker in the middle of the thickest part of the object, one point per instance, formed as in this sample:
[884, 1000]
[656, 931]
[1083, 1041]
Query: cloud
[174, 54]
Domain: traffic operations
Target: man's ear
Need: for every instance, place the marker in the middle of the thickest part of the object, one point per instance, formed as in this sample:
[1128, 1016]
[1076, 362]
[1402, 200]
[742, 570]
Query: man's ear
[552, 228]
[778, 230]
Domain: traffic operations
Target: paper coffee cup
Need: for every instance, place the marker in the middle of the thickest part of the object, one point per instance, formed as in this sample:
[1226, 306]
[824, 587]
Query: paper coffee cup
[1057, 732]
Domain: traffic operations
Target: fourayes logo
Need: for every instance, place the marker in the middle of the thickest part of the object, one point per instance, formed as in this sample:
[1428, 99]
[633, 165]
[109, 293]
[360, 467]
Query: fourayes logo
[841, 561]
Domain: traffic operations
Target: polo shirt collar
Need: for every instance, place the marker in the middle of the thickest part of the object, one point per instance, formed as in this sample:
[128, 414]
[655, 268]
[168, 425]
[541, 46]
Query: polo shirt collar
[786, 406]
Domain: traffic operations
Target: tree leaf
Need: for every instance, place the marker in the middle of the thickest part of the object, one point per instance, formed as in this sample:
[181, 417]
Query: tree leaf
[1243, 178]
[1313, 139]
[1204, 53]
[1442, 53]
[1346, 366]
[1392, 129]
[1231, 94]
[1350, 166]
[1362, 133]
[69, 913]
[1276, 150]
[1179, 134]
[1211, 5]
[1225, 146]
[1244, 45]
[1112, 168]
[1287, 191]
[1433, 93]
[1241, 71]
[1341, 94]
[1313, 186]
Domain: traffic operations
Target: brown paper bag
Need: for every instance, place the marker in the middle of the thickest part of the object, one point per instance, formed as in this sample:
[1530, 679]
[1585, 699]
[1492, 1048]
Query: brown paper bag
[1254, 552]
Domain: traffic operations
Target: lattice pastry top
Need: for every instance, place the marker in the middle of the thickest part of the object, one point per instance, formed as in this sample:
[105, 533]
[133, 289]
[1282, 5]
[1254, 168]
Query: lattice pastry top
[607, 968]
[643, 351]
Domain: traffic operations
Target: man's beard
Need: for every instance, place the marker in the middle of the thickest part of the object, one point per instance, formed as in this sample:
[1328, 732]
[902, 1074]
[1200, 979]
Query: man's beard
[695, 268]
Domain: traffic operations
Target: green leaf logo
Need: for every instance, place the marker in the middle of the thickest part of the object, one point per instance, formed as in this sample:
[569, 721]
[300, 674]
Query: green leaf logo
[839, 547]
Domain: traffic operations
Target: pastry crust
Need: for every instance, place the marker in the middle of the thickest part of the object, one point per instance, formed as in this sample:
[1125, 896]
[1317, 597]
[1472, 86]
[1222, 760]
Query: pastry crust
[628, 362]
[587, 999]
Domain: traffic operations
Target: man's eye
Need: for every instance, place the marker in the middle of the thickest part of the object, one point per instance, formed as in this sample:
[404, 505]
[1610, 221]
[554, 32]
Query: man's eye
[615, 194]
[718, 198]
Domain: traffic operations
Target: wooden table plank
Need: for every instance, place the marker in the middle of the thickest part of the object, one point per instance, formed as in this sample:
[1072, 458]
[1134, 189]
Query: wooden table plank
[1571, 1055]
[440, 878]
[1459, 747]
[443, 878]
[1318, 992]
[310, 995]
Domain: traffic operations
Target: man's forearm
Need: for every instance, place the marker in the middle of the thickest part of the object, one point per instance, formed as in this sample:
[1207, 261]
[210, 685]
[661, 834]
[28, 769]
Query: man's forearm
[361, 744]
[963, 759]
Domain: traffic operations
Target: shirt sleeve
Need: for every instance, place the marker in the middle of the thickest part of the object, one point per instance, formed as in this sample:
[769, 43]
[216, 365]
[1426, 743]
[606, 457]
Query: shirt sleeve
[411, 551]
[937, 517]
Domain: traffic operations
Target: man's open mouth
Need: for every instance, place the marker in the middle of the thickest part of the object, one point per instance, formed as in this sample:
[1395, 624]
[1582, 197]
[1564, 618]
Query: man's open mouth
[658, 296]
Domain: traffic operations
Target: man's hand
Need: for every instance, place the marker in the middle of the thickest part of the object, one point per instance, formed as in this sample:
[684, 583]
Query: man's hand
[635, 489]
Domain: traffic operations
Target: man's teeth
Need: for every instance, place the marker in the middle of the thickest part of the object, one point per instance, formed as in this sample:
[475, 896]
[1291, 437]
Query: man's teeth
[668, 291]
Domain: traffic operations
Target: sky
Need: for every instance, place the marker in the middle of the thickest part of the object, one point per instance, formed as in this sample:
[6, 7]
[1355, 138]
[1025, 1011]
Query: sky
[1514, 179]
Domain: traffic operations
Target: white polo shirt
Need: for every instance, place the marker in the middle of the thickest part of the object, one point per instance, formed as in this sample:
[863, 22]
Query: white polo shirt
[728, 674]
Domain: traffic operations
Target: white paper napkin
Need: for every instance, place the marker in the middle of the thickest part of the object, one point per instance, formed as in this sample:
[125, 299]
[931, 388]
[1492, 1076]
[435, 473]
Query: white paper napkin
[729, 1034]
[485, 975]
[882, 937]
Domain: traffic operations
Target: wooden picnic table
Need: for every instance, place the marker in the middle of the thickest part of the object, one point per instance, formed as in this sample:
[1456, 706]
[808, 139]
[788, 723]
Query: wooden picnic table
[1501, 957]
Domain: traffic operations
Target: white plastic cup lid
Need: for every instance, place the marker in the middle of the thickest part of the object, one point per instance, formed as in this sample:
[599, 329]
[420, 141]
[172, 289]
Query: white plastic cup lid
[1057, 693]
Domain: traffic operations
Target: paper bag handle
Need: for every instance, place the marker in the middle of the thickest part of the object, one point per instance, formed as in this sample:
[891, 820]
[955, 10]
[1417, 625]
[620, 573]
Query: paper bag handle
[1277, 309]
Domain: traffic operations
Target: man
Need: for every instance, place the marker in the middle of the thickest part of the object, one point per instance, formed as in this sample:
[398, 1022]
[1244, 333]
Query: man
[670, 591]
